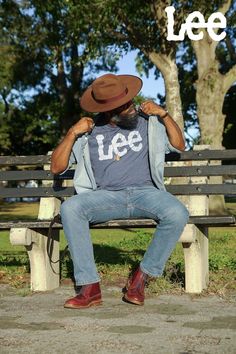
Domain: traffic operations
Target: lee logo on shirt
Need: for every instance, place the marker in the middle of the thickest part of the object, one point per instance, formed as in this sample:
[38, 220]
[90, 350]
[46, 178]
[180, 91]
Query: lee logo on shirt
[118, 145]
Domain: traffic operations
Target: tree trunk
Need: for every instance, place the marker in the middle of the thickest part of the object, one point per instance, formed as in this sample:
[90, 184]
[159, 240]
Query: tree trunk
[169, 70]
[211, 88]
[210, 97]
[69, 93]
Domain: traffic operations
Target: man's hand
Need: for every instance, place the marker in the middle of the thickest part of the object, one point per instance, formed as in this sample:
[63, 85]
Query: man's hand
[173, 131]
[84, 125]
[151, 108]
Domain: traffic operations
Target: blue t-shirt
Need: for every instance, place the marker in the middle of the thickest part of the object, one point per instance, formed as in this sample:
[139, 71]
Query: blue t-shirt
[119, 157]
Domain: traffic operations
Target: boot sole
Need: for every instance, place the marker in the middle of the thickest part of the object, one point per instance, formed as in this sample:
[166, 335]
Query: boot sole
[92, 303]
[132, 301]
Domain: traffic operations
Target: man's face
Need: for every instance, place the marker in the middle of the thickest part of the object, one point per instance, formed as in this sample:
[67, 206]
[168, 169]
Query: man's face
[125, 116]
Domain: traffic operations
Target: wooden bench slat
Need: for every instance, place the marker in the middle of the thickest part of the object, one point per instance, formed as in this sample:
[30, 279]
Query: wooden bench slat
[176, 171]
[184, 156]
[202, 189]
[181, 189]
[211, 220]
[188, 171]
[34, 174]
[202, 155]
[24, 160]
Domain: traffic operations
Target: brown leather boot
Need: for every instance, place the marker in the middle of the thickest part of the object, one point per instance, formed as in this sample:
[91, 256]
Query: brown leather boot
[89, 295]
[135, 288]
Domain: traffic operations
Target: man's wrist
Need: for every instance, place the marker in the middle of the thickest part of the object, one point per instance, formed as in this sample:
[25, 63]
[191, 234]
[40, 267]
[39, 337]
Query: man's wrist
[163, 116]
[72, 133]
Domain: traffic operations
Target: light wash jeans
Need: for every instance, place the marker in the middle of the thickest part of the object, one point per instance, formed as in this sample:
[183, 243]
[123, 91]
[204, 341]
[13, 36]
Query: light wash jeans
[99, 206]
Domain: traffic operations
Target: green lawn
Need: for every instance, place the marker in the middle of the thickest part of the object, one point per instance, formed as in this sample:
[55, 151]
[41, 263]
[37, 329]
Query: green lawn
[119, 251]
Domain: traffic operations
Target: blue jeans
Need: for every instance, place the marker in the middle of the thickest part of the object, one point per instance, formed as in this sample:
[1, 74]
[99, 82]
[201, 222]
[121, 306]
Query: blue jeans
[135, 202]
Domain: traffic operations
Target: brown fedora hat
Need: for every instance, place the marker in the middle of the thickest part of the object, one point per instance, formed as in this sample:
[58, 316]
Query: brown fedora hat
[109, 92]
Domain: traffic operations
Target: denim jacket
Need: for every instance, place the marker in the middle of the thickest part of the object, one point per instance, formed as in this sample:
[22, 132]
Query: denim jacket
[158, 143]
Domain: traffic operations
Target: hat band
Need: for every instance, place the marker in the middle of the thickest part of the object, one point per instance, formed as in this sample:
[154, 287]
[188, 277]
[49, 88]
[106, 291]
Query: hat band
[112, 99]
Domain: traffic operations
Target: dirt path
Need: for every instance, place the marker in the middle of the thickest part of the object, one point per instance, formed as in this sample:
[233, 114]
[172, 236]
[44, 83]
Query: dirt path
[172, 324]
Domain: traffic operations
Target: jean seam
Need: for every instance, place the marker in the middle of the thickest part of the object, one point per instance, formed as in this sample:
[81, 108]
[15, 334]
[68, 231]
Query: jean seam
[148, 273]
[146, 210]
[107, 208]
[88, 282]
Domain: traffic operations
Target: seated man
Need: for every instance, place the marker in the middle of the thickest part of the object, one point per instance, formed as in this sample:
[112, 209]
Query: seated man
[119, 175]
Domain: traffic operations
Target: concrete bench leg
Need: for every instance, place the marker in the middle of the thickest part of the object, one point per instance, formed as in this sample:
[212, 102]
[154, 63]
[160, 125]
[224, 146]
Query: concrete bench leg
[44, 273]
[196, 262]
[196, 253]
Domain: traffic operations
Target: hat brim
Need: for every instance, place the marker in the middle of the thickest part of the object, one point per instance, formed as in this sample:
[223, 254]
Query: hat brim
[89, 104]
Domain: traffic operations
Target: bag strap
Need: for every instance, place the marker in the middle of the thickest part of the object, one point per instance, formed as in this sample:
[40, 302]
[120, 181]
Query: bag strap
[50, 241]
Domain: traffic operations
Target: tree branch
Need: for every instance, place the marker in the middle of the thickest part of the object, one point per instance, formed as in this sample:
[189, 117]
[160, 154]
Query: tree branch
[230, 48]
[118, 35]
[206, 56]
[225, 7]
[229, 78]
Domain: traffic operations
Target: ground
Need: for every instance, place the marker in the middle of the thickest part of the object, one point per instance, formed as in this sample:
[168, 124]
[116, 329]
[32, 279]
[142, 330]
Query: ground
[167, 324]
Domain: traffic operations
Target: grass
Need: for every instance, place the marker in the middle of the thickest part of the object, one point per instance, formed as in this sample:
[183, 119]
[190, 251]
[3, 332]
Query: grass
[117, 252]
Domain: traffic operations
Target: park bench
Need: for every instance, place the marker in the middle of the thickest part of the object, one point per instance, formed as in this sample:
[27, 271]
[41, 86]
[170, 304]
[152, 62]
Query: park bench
[190, 172]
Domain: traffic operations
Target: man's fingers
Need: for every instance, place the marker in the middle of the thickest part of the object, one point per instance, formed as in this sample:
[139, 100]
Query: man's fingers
[146, 105]
[85, 124]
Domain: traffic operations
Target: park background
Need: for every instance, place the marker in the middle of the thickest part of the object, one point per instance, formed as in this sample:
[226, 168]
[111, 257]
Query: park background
[51, 51]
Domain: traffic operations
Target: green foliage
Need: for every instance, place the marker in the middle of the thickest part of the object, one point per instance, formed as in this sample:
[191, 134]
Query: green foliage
[49, 53]
[229, 140]
[9, 259]
[220, 262]
[139, 242]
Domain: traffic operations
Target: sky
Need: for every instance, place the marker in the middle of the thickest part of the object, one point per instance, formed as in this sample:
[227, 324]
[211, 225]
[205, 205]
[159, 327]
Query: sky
[151, 86]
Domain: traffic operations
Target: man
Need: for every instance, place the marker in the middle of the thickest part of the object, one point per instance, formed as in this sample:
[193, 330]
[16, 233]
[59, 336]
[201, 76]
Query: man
[119, 175]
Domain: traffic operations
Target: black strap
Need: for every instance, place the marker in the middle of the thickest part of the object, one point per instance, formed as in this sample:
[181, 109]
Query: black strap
[50, 241]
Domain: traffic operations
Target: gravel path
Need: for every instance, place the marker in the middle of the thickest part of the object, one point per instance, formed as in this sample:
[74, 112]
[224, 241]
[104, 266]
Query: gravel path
[38, 323]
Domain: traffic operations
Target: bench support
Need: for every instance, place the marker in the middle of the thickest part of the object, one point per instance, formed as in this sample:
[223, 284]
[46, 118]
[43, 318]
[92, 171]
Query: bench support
[196, 262]
[196, 253]
[44, 273]
[44, 269]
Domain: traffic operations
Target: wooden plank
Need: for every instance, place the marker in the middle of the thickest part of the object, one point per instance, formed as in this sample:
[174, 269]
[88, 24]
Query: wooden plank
[188, 171]
[184, 156]
[203, 155]
[182, 189]
[34, 174]
[175, 171]
[202, 189]
[37, 192]
[24, 160]
[131, 223]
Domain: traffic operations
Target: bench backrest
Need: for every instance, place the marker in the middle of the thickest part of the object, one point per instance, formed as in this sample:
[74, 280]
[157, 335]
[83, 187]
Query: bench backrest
[188, 164]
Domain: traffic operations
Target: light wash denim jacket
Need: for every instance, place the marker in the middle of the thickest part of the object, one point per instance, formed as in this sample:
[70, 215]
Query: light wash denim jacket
[158, 143]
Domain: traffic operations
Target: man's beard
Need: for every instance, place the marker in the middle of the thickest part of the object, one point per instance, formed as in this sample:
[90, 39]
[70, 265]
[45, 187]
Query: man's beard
[127, 121]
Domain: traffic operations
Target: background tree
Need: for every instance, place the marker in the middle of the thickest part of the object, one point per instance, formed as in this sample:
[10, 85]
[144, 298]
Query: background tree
[47, 58]
[229, 135]
[52, 49]
[212, 66]
[214, 79]
[143, 26]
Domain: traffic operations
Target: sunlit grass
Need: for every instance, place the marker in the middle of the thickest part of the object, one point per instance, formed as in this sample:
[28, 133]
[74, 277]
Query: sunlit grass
[117, 252]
